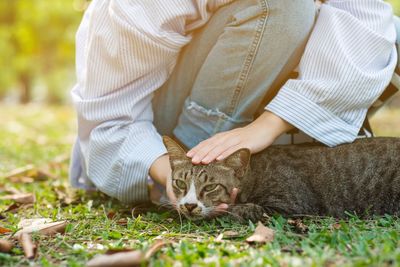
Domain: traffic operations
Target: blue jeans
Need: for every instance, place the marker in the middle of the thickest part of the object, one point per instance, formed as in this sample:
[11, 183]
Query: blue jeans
[232, 68]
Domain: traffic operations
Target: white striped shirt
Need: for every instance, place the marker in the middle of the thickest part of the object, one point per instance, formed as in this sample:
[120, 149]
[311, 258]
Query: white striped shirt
[126, 51]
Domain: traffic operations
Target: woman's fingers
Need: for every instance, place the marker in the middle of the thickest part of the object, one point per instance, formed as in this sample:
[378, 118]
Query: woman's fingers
[215, 152]
[210, 149]
[199, 152]
[230, 151]
[234, 194]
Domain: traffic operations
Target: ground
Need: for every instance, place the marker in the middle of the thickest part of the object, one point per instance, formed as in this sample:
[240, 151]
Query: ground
[42, 136]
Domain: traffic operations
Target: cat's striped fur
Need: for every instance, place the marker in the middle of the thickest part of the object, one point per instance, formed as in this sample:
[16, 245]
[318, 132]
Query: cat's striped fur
[361, 178]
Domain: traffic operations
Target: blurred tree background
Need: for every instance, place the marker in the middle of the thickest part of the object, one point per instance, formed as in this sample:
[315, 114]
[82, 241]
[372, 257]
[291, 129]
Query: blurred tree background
[37, 48]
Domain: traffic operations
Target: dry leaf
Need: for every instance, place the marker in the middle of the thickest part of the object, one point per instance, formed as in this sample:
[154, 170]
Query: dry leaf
[155, 248]
[20, 198]
[231, 234]
[65, 196]
[44, 229]
[121, 259]
[299, 225]
[4, 230]
[21, 179]
[43, 175]
[115, 251]
[15, 207]
[219, 238]
[122, 222]
[111, 214]
[10, 190]
[24, 223]
[5, 246]
[290, 249]
[19, 171]
[30, 171]
[127, 257]
[27, 245]
[262, 234]
[336, 226]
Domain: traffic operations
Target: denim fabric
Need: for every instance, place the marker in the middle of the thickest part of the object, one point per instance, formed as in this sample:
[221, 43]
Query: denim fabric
[240, 58]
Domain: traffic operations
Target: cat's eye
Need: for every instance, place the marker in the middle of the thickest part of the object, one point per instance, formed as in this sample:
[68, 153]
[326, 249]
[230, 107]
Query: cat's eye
[210, 187]
[180, 184]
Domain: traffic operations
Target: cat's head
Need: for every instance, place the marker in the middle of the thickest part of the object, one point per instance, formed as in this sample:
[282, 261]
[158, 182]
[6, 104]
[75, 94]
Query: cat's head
[199, 189]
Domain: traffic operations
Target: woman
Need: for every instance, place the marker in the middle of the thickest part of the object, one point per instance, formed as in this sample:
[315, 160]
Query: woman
[215, 75]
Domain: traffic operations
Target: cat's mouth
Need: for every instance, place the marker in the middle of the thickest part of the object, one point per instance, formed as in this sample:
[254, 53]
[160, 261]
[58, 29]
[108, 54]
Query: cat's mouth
[205, 213]
[193, 216]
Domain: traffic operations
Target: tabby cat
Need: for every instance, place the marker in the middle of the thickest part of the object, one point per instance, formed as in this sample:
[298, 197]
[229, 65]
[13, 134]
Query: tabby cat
[361, 178]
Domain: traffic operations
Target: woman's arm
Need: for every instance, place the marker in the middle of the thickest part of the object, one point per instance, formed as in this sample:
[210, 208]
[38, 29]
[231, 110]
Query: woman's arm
[125, 51]
[348, 62]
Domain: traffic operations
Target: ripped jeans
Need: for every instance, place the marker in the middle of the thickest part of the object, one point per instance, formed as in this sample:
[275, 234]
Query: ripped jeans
[232, 68]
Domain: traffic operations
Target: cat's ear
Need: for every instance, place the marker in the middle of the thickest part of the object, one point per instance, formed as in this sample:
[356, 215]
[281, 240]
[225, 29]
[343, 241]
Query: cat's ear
[177, 155]
[239, 161]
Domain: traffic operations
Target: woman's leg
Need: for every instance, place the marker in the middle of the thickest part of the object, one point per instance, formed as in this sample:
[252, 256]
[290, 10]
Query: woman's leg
[243, 54]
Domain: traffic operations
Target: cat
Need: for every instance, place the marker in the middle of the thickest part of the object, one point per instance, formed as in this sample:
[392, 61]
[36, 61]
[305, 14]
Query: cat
[361, 178]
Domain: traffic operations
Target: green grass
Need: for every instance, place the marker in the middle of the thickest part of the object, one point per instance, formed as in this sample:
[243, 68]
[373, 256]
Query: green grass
[37, 135]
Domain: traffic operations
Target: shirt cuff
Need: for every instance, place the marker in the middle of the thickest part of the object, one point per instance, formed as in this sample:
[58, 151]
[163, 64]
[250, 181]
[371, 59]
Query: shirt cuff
[134, 187]
[311, 118]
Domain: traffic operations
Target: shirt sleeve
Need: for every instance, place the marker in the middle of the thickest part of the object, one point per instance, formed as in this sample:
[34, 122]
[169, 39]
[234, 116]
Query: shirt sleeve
[348, 62]
[124, 53]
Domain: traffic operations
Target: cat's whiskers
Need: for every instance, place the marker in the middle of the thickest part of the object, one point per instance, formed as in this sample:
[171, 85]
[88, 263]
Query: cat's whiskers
[168, 205]
[180, 220]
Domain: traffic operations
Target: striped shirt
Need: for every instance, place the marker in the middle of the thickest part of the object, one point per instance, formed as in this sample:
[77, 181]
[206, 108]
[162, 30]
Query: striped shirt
[126, 51]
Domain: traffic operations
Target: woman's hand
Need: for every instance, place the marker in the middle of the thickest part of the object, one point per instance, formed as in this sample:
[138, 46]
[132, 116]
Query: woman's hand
[160, 171]
[256, 136]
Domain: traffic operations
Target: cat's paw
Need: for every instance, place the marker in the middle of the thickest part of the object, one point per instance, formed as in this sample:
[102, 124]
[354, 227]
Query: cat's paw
[246, 212]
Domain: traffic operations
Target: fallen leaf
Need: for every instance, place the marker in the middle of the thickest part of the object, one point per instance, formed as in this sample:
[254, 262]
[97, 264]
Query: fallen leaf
[290, 249]
[122, 222]
[121, 259]
[111, 214]
[21, 180]
[231, 234]
[44, 229]
[261, 235]
[336, 226]
[15, 207]
[27, 245]
[115, 251]
[64, 195]
[5, 246]
[24, 223]
[155, 248]
[20, 198]
[19, 171]
[10, 190]
[30, 171]
[4, 230]
[219, 238]
[299, 225]
[127, 257]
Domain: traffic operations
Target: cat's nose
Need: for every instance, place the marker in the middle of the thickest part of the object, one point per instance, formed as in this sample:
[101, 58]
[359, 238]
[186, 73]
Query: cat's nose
[190, 207]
